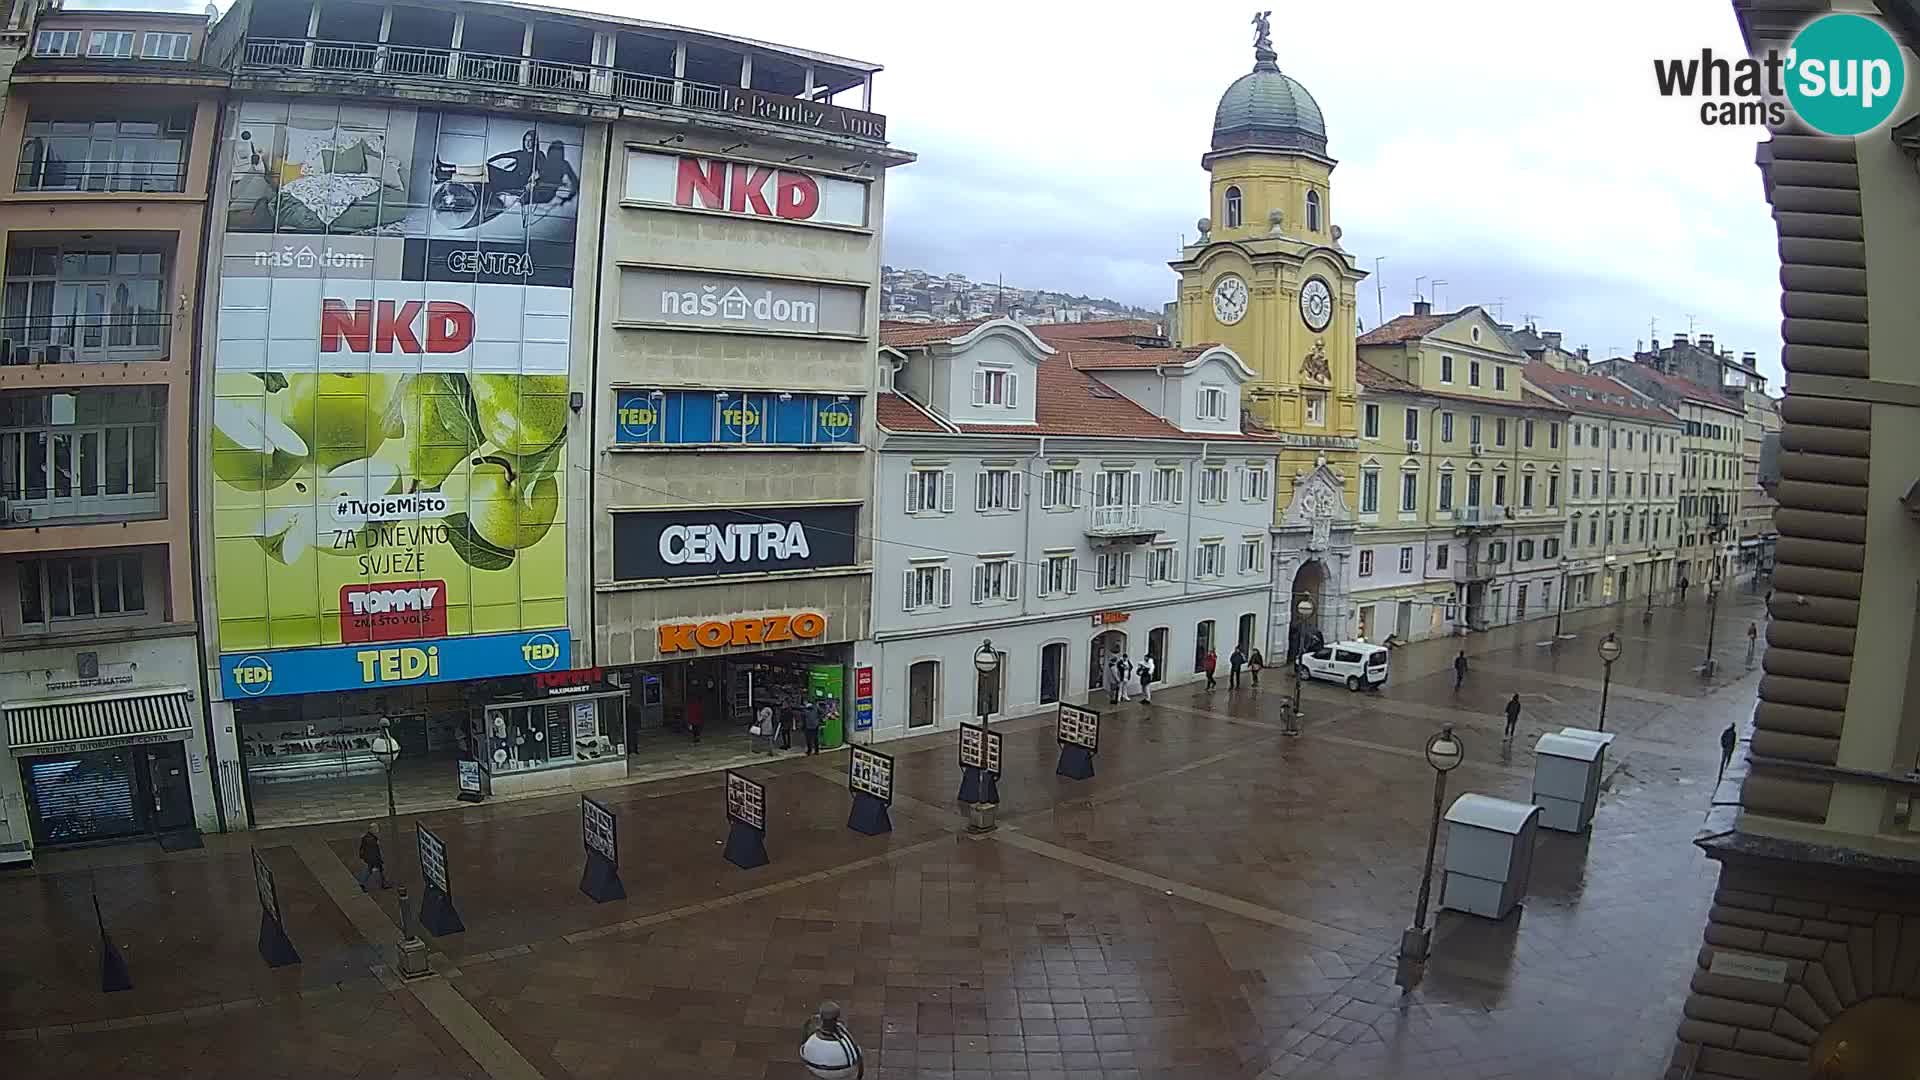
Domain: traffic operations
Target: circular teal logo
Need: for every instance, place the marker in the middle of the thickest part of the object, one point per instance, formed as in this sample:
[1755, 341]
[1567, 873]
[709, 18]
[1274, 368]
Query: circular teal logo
[1845, 74]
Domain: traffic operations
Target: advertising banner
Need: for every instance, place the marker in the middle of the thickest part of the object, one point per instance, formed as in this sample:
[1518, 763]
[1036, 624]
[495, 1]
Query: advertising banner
[352, 667]
[681, 298]
[734, 418]
[863, 698]
[651, 544]
[433, 859]
[599, 830]
[744, 188]
[391, 392]
[1077, 726]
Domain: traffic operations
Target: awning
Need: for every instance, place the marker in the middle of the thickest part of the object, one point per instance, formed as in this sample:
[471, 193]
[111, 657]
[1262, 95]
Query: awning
[150, 715]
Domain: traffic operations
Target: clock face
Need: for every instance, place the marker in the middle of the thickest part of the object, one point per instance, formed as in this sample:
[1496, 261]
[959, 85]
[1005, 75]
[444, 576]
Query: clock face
[1316, 303]
[1229, 299]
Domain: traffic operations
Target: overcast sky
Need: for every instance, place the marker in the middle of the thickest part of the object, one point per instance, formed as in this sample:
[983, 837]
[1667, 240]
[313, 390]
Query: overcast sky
[1515, 149]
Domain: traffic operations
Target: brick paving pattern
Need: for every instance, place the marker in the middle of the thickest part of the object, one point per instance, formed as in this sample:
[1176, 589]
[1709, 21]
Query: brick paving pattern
[1219, 901]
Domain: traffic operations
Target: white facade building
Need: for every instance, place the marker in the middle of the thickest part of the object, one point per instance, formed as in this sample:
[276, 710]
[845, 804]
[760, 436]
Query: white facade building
[1064, 504]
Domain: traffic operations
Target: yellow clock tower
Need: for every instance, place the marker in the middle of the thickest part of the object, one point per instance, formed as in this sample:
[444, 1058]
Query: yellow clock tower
[1269, 279]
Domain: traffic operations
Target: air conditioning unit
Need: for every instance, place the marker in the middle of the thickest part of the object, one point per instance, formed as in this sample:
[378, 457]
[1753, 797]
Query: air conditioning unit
[1413, 446]
[1478, 449]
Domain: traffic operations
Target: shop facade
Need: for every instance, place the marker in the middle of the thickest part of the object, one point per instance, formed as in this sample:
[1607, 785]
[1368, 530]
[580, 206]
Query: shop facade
[393, 490]
[102, 742]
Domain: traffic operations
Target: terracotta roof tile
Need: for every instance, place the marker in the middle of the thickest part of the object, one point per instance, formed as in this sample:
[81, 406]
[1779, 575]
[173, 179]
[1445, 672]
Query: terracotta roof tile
[1098, 329]
[896, 413]
[1095, 356]
[1382, 382]
[1405, 328]
[1585, 392]
[907, 335]
[1680, 386]
[1375, 379]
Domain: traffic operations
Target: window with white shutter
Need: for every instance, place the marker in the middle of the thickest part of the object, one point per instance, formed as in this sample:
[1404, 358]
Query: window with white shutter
[1013, 389]
[946, 491]
[979, 386]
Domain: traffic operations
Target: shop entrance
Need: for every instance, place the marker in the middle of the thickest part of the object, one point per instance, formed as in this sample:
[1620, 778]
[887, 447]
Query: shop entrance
[1053, 670]
[719, 699]
[1157, 648]
[923, 693]
[1106, 644]
[108, 794]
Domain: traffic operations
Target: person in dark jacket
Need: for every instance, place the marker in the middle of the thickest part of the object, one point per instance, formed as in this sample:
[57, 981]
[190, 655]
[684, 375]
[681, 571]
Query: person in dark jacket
[1727, 740]
[1254, 663]
[370, 855]
[810, 724]
[1460, 669]
[1235, 662]
[696, 717]
[1513, 715]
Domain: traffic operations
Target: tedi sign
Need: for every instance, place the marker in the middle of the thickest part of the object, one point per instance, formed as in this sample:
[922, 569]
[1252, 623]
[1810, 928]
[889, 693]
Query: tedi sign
[696, 543]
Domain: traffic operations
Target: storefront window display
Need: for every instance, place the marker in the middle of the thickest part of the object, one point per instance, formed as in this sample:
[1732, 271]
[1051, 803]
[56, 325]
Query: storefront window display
[555, 732]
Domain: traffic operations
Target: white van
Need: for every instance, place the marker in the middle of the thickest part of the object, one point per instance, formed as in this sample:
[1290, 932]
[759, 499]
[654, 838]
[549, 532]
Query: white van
[1356, 663]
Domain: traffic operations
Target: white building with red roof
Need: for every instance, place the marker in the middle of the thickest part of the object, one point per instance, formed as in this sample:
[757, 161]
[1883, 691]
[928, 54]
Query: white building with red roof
[1067, 501]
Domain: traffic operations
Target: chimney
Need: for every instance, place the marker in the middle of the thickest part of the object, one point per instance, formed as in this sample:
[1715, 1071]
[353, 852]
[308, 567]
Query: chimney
[1678, 341]
[1706, 342]
[1583, 352]
[1553, 339]
[1422, 307]
[1747, 359]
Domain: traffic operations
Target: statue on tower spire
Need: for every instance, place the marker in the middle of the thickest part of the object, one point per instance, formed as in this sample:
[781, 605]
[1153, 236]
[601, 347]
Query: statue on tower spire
[1263, 53]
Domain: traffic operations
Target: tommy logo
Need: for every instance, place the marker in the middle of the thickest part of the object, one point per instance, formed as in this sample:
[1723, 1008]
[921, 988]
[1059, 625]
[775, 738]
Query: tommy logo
[393, 611]
[387, 326]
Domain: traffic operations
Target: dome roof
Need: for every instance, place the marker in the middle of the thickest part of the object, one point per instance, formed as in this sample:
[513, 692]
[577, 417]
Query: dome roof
[1266, 109]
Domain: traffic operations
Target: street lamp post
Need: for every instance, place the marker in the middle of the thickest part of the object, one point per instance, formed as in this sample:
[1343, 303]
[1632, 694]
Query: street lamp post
[1304, 609]
[1647, 618]
[412, 951]
[986, 662]
[1713, 621]
[1444, 753]
[1609, 652]
[829, 1051]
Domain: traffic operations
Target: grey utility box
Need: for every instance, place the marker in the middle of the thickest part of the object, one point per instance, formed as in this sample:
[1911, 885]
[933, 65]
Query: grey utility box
[1489, 855]
[1566, 781]
[1600, 763]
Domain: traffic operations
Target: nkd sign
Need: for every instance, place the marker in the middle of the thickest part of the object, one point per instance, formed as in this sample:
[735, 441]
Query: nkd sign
[749, 189]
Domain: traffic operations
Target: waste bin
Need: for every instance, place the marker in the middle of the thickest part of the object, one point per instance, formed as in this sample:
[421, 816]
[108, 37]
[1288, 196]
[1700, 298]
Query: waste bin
[1566, 781]
[1489, 855]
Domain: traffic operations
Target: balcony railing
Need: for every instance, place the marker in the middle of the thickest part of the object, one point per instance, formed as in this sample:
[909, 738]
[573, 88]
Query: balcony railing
[461, 67]
[101, 176]
[1120, 520]
[81, 500]
[71, 339]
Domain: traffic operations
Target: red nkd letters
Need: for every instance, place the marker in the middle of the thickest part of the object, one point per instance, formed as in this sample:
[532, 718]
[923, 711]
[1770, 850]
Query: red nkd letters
[386, 326]
[744, 189]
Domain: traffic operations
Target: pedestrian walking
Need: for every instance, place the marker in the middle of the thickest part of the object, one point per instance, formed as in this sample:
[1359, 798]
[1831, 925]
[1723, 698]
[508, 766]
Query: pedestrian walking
[811, 725]
[1460, 669]
[376, 863]
[1753, 639]
[1234, 663]
[1147, 670]
[1254, 663]
[1111, 676]
[1727, 740]
[763, 725]
[1123, 672]
[696, 717]
[1513, 715]
[1212, 661]
[1683, 590]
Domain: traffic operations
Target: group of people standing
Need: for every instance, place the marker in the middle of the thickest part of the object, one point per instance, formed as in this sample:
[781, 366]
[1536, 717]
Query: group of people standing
[1240, 659]
[1126, 678]
[777, 727]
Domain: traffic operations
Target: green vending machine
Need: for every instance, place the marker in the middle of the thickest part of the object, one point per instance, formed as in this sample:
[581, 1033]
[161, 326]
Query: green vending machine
[827, 683]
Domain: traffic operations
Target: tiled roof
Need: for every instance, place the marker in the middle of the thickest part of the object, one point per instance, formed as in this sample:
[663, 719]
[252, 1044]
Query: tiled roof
[1097, 356]
[1680, 386]
[1068, 402]
[1588, 393]
[1102, 328]
[1375, 379]
[1406, 328]
[906, 334]
[896, 413]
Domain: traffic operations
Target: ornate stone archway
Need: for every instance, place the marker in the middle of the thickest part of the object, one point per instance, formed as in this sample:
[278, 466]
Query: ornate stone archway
[1315, 539]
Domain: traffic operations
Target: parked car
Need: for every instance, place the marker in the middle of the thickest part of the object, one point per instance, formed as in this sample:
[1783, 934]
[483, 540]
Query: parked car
[1356, 663]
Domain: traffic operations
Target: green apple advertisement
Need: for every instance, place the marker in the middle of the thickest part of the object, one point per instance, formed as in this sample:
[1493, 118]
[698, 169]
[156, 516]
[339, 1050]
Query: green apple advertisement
[391, 400]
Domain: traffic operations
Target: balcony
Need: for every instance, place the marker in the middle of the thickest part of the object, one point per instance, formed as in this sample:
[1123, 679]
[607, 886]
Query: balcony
[1472, 568]
[466, 68]
[78, 502]
[106, 337]
[1480, 517]
[1120, 522]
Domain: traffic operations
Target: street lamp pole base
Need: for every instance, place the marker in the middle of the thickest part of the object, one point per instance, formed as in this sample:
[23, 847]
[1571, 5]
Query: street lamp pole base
[413, 959]
[1412, 963]
[982, 817]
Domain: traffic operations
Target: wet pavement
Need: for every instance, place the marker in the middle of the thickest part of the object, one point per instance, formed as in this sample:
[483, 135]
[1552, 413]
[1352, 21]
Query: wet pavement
[1219, 901]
